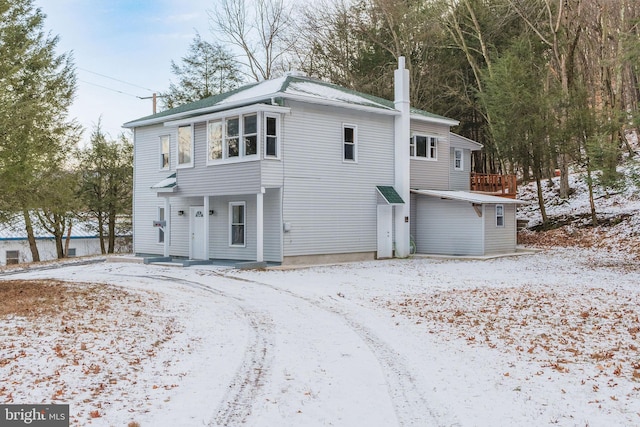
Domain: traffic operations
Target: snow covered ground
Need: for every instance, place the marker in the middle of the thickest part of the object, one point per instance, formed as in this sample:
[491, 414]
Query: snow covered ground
[549, 338]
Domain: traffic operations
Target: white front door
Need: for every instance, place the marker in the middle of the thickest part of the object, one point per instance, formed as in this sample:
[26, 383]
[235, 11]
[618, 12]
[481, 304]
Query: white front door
[196, 230]
[385, 231]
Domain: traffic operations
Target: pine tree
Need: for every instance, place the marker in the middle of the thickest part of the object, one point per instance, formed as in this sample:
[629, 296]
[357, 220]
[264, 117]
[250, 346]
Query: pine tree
[106, 169]
[207, 69]
[36, 89]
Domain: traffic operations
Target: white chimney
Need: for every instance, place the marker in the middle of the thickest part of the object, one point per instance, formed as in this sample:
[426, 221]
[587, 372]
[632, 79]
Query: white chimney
[401, 155]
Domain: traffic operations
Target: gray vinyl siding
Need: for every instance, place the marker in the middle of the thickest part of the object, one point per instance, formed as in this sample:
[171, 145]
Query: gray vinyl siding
[219, 247]
[430, 174]
[447, 227]
[273, 225]
[147, 172]
[500, 239]
[331, 204]
[219, 179]
[459, 180]
[412, 215]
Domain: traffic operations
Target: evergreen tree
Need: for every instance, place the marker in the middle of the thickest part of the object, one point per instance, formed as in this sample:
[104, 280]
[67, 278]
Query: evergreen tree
[207, 69]
[36, 89]
[106, 183]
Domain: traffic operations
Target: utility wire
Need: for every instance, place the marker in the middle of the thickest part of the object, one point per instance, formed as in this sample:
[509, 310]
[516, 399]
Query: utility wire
[118, 80]
[108, 88]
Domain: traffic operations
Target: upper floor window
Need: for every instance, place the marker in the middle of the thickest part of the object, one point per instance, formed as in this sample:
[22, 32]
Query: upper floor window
[271, 148]
[165, 159]
[349, 142]
[458, 163]
[214, 136]
[423, 146]
[185, 146]
[499, 215]
[250, 134]
[232, 137]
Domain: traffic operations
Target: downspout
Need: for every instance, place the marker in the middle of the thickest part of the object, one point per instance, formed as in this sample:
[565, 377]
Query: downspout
[401, 156]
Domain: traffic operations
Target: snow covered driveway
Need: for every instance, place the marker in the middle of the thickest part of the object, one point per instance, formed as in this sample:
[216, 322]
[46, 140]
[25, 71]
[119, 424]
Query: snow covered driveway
[417, 342]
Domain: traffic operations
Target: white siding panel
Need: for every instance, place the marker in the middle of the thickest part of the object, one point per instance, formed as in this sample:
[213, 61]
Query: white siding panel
[460, 180]
[147, 173]
[273, 225]
[428, 174]
[219, 228]
[331, 204]
[447, 227]
[500, 239]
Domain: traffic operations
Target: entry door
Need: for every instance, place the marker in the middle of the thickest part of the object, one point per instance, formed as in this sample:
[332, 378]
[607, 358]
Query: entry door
[196, 230]
[385, 231]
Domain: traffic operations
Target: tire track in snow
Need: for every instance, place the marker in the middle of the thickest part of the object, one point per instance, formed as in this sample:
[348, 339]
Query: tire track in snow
[237, 404]
[410, 404]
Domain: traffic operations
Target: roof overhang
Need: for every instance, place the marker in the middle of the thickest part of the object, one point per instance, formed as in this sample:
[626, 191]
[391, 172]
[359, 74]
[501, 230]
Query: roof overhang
[229, 112]
[167, 185]
[471, 197]
[222, 106]
[438, 120]
[459, 141]
[389, 195]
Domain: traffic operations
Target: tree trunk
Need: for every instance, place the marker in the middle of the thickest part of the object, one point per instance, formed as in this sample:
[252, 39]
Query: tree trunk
[543, 210]
[101, 233]
[564, 176]
[594, 216]
[112, 231]
[67, 240]
[35, 255]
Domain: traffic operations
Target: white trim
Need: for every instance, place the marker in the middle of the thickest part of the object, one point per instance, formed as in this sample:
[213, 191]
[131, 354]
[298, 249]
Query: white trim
[162, 216]
[191, 159]
[241, 157]
[461, 167]
[254, 108]
[278, 118]
[259, 225]
[470, 197]
[244, 223]
[354, 143]
[439, 120]
[429, 140]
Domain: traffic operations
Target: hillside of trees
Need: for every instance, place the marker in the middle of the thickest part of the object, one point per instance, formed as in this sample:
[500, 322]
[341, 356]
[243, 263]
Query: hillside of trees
[545, 85]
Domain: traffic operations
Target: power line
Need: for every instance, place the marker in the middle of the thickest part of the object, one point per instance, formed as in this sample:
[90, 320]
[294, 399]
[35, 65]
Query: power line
[108, 88]
[118, 80]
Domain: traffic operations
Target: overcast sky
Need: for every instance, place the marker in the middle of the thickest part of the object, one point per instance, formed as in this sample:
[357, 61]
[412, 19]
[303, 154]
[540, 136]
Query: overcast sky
[116, 41]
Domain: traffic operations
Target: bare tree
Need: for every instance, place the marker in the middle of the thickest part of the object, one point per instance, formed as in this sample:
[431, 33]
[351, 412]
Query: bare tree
[259, 28]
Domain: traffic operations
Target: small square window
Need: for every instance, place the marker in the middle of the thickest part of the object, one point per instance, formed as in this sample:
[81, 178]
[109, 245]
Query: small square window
[13, 257]
[71, 252]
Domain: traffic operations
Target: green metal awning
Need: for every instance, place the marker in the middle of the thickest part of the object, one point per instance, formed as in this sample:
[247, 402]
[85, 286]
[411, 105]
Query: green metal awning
[167, 184]
[390, 195]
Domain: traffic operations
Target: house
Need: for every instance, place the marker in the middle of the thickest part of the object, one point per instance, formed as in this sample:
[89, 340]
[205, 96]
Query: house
[296, 170]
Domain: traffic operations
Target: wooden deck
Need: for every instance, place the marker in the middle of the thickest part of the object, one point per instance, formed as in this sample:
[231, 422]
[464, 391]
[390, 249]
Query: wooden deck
[494, 184]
